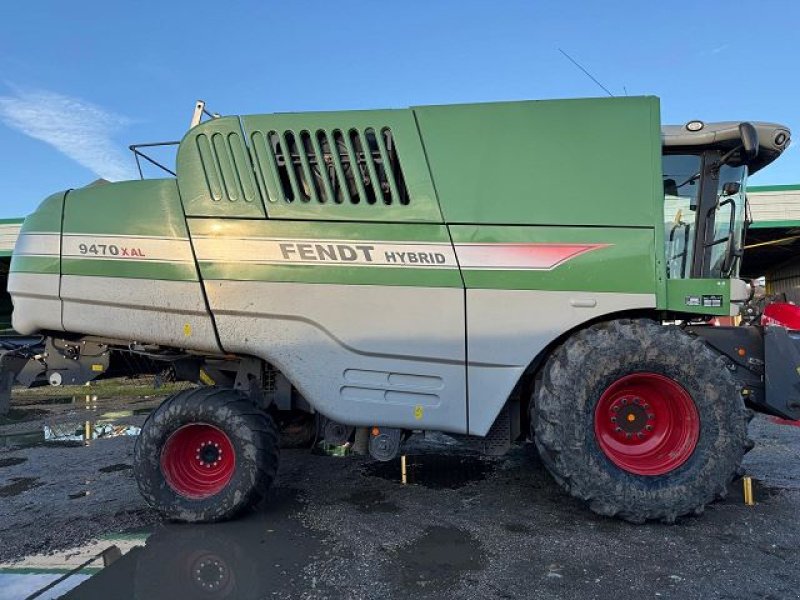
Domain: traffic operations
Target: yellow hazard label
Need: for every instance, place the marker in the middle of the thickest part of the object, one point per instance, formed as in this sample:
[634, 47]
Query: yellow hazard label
[419, 412]
[187, 329]
[206, 378]
[97, 368]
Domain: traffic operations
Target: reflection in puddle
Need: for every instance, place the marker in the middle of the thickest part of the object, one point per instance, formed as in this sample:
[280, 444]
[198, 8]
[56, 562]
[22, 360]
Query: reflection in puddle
[45, 576]
[86, 431]
[69, 433]
[258, 555]
[436, 471]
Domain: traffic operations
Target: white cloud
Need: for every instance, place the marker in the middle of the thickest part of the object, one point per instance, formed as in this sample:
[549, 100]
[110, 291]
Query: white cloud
[80, 130]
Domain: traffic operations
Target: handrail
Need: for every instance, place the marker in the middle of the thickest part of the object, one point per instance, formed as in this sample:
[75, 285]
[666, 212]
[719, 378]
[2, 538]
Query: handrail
[136, 153]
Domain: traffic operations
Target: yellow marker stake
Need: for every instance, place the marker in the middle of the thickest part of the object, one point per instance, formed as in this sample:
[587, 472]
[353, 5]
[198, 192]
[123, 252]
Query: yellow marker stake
[403, 469]
[747, 483]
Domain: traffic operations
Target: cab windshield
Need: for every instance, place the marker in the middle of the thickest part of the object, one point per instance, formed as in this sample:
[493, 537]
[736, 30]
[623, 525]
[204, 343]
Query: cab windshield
[686, 179]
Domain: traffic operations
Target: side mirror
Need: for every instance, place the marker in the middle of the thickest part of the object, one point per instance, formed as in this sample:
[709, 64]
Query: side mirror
[749, 137]
[731, 188]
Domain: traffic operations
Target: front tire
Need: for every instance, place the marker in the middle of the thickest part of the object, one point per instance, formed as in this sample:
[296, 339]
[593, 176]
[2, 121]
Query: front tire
[206, 454]
[642, 421]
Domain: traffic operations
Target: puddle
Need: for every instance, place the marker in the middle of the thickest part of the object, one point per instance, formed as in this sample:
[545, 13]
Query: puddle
[762, 492]
[433, 470]
[115, 468]
[12, 461]
[87, 431]
[517, 528]
[73, 433]
[53, 575]
[435, 561]
[19, 415]
[18, 485]
[55, 400]
[371, 501]
[269, 553]
[260, 555]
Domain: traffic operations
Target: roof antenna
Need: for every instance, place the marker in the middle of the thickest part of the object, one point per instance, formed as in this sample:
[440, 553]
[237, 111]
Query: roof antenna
[589, 75]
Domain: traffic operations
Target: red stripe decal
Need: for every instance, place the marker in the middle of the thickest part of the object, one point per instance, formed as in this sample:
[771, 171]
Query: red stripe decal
[536, 256]
[779, 421]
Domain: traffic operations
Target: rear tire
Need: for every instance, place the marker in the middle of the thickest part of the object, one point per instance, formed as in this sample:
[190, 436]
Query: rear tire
[639, 420]
[206, 454]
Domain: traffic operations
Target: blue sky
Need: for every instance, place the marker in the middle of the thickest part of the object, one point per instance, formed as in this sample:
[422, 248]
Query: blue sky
[80, 81]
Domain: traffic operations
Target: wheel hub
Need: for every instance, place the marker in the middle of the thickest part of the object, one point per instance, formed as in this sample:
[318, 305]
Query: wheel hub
[632, 417]
[208, 454]
[646, 424]
[198, 460]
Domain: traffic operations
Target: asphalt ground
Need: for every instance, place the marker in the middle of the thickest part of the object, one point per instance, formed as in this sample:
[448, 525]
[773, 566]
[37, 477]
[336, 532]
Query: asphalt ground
[462, 526]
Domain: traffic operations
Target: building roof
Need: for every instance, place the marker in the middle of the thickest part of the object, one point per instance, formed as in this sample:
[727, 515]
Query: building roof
[9, 230]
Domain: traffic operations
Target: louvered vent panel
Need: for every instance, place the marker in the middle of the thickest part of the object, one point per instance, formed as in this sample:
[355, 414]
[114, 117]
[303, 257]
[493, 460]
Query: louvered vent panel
[215, 174]
[355, 166]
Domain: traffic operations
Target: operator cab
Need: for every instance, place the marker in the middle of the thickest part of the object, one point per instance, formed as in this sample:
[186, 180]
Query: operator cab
[705, 168]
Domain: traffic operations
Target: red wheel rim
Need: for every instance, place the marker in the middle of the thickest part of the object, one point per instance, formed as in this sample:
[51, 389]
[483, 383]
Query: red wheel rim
[198, 461]
[646, 424]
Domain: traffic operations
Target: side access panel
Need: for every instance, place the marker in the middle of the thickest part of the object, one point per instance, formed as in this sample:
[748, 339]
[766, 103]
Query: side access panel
[128, 270]
[593, 161]
[526, 286]
[366, 320]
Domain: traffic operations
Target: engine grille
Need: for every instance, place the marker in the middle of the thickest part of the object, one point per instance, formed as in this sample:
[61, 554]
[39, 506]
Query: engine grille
[353, 166]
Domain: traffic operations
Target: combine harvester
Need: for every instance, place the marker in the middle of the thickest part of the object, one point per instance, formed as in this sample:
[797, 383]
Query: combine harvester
[491, 271]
